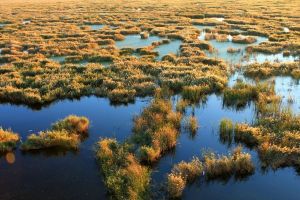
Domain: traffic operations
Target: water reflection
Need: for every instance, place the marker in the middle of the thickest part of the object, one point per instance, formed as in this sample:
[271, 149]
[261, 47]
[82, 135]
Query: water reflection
[10, 158]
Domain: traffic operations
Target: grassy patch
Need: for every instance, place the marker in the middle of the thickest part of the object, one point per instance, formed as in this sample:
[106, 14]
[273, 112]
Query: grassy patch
[181, 174]
[226, 130]
[241, 93]
[8, 140]
[267, 69]
[192, 124]
[124, 177]
[156, 130]
[238, 164]
[64, 134]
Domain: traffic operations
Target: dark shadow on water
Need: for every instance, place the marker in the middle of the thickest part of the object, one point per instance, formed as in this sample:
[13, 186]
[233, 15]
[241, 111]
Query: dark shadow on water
[50, 152]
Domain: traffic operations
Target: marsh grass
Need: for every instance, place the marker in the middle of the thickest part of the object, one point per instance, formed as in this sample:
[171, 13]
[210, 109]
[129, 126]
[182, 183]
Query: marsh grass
[156, 130]
[8, 140]
[73, 124]
[194, 93]
[192, 124]
[244, 39]
[246, 134]
[233, 50]
[121, 95]
[189, 170]
[181, 174]
[51, 139]
[226, 130]
[238, 164]
[241, 93]
[64, 134]
[124, 177]
[268, 69]
[175, 185]
[275, 134]
[181, 105]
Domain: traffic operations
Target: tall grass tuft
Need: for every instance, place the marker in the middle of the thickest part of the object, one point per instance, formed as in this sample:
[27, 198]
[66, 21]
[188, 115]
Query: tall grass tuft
[64, 134]
[238, 164]
[124, 176]
[192, 124]
[156, 130]
[226, 130]
[183, 173]
[8, 140]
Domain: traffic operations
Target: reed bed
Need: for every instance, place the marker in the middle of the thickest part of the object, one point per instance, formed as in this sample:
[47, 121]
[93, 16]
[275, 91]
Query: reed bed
[8, 140]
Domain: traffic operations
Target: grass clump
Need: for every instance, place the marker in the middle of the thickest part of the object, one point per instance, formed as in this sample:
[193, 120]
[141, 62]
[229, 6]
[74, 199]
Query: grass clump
[189, 170]
[121, 95]
[124, 176]
[73, 124]
[238, 164]
[194, 93]
[233, 50]
[181, 105]
[243, 40]
[175, 185]
[183, 173]
[64, 134]
[192, 124]
[156, 130]
[246, 134]
[226, 130]
[241, 93]
[8, 140]
[51, 139]
[268, 69]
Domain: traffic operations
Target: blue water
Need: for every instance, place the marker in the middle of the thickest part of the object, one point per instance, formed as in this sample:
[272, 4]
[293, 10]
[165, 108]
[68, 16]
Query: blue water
[170, 48]
[135, 41]
[96, 27]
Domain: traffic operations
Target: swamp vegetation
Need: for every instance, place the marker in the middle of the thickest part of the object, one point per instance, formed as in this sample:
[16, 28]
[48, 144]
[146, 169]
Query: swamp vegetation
[167, 97]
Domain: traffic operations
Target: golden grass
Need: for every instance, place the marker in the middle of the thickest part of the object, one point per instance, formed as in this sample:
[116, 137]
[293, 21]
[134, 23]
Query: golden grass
[123, 175]
[8, 140]
[238, 164]
[156, 130]
[64, 134]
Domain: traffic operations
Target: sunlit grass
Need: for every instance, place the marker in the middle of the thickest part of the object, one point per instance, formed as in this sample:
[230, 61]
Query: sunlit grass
[8, 140]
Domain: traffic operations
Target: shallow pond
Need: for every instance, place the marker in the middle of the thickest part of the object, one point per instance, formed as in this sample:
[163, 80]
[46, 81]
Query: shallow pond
[170, 48]
[241, 57]
[135, 41]
[96, 27]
